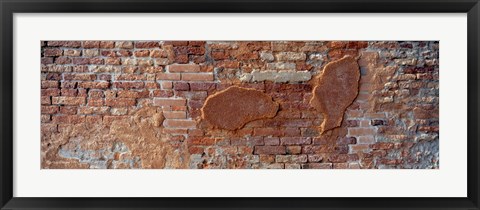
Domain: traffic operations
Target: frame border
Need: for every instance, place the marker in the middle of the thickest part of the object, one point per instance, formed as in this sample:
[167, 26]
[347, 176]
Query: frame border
[9, 7]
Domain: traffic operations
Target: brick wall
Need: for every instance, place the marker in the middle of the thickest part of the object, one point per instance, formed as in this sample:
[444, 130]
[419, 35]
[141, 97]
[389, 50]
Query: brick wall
[138, 104]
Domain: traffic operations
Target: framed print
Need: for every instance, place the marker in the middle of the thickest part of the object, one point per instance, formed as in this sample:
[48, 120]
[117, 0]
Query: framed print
[239, 105]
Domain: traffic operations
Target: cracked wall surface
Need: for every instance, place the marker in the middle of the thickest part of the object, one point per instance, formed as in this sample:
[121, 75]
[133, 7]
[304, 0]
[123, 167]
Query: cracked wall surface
[239, 104]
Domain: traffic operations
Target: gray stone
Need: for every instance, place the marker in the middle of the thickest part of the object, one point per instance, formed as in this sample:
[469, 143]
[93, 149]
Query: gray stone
[290, 56]
[281, 66]
[266, 56]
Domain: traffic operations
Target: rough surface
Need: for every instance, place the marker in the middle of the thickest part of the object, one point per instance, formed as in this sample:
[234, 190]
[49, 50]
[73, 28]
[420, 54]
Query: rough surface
[336, 89]
[291, 76]
[234, 107]
[137, 104]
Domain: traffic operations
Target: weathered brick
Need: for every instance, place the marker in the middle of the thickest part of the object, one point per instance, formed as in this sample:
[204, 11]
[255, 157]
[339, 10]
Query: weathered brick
[147, 44]
[197, 76]
[68, 110]
[295, 140]
[107, 44]
[52, 52]
[94, 85]
[174, 115]
[68, 119]
[79, 76]
[64, 100]
[181, 86]
[73, 44]
[168, 76]
[124, 45]
[270, 150]
[179, 123]
[200, 141]
[180, 68]
[94, 110]
[169, 101]
[317, 166]
[129, 85]
[49, 84]
[120, 102]
[49, 109]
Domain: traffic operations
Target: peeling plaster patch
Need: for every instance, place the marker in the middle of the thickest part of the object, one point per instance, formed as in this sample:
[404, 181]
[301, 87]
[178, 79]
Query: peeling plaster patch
[99, 159]
[335, 89]
[232, 108]
[290, 76]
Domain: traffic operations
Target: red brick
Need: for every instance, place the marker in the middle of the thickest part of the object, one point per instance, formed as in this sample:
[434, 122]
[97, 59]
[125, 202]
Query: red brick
[169, 101]
[141, 53]
[200, 141]
[69, 110]
[294, 150]
[64, 100]
[195, 150]
[124, 45]
[109, 119]
[68, 119]
[130, 77]
[63, 60]
[361, 131]
[181, 86]
[113, 61]
[346, 140]
[81, 61]
[179, 123]
[129, 85]
[45, 100]
[52, 52]
[120, 102]
[94, 110]
[338, 158]
[270, 150]
[197, 76]
[50, 92]
[107, 44]
[166, 84]
[269, 141]
[201, 86]
[96, 102]
[49, 109]
[148, 44]
[79, 76]
[162, 93]
[174, 114]
[316, 149]
[195, 132]
[53, 76]
[69, 85]
[295, 140]
[49, 84]
[133, 94]
[168, 76]
[69, 92]
[267, 132]
[91, 44]
[94, 85]
[64, 43]
[177, 68]
[93, 120]
[106, 77]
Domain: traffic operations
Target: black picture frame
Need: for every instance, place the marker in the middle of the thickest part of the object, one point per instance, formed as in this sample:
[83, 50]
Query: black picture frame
[9, 7]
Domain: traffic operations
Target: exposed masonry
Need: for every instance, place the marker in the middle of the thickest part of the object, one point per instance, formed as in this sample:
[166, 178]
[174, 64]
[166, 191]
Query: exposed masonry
[147, 96]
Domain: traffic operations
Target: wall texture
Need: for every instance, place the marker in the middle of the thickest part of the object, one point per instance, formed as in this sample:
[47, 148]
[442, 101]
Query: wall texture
[240, 104]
